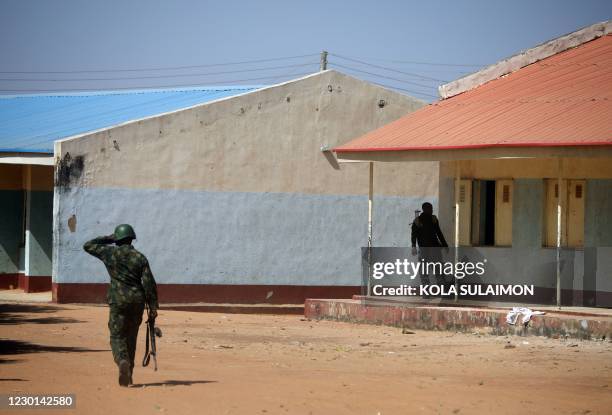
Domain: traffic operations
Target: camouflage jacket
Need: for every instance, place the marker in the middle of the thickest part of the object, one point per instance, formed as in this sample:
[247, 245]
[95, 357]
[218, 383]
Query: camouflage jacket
[131, 277]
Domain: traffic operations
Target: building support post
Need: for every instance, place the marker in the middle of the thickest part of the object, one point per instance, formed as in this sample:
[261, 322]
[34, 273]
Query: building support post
[370, 208]
[27, 209]
[323, 66]
[560, 197]
[457, 190]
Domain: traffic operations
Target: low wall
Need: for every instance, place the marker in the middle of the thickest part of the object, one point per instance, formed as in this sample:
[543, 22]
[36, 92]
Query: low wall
[464, 319]
[210, 293]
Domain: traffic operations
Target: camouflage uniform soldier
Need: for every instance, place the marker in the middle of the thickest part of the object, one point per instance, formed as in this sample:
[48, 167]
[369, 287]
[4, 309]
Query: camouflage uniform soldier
[132, 284]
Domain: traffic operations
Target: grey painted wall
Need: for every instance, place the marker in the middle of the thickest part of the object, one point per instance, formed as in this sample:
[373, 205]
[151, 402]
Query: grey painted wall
[39, 233]
[231, 237]
[528, 213]
[446, 208]
[11, 220]
[598, 213]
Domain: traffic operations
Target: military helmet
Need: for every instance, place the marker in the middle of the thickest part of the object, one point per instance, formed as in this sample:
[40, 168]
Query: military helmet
[124, 231]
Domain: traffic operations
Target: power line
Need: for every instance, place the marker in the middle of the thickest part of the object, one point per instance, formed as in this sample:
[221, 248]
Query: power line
[382, 76]
[406, 90]
[459, 65]
[160, 76]
[163, 68]
[388, 69]
[154, 87]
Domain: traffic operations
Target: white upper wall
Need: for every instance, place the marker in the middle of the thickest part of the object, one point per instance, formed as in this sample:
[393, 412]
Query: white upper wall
[267, 140]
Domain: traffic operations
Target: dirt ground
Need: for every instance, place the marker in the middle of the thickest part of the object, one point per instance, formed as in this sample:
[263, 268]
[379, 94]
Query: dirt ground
[257, 364]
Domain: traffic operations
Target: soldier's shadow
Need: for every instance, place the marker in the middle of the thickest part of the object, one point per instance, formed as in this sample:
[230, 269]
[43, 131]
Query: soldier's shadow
[173, 383]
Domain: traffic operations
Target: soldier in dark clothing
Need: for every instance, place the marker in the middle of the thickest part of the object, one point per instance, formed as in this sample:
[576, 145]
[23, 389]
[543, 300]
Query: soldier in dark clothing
[131, 286]
[427, 233]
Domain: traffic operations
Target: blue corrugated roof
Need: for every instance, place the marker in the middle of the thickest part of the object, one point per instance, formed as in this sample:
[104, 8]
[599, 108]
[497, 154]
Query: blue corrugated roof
[30, 123]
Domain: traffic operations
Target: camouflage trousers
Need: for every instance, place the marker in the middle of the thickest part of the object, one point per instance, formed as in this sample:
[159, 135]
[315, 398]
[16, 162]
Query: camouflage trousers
[123, 323]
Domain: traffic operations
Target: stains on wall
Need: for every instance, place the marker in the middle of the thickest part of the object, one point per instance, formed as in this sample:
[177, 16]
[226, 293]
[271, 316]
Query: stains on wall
[72, 222]
[68, 170]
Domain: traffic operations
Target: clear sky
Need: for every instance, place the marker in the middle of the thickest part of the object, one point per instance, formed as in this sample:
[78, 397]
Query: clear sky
[132, 39]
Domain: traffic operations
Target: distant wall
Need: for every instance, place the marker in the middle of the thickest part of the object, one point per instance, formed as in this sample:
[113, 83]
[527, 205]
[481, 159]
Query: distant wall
[238, 191]
[598, 213]
[11, 214]
[38, 182]
[26, 246]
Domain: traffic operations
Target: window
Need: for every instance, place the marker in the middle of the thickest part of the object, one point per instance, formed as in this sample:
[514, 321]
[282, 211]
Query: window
[572, 212]
[485, 212]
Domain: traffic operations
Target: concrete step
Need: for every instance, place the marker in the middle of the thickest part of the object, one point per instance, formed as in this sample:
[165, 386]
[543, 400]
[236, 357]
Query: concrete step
[464, 319]
[236, 308]
[19, 296]
[446, 302]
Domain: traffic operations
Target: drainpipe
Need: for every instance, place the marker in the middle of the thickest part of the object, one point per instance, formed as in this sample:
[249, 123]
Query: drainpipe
[559, 211]
[370, 207]
[457, 190]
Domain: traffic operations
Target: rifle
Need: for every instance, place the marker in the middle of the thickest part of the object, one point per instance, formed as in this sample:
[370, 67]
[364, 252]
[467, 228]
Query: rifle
[152, 332]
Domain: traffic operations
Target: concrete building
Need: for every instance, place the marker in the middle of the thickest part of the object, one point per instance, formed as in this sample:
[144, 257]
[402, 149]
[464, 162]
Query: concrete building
[525, 173]
[237, 199]
[28, 126]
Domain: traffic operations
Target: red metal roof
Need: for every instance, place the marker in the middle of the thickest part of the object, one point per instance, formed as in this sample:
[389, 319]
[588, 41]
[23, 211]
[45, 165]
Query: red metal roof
[562, 100]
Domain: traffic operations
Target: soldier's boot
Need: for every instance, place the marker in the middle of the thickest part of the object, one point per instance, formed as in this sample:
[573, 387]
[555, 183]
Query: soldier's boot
[124, 373]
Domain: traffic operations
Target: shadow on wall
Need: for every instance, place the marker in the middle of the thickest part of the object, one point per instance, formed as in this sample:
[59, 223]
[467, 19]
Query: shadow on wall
[331, 159]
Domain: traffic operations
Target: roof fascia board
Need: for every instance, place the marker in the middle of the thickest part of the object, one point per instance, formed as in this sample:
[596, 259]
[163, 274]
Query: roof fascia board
[524, 58]
[30, 159]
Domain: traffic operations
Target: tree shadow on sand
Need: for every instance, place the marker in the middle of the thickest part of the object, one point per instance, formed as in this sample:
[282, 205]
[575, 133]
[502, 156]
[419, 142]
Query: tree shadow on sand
[11, 314]
[173, 383]
[13, 347]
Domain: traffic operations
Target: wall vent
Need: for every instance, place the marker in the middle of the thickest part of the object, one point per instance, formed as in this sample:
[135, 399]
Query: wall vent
[506, 194]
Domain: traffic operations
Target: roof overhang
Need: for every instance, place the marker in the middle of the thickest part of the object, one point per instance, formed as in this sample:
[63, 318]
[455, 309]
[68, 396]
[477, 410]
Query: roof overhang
[448, 154]
[34, 159]
[560, 106]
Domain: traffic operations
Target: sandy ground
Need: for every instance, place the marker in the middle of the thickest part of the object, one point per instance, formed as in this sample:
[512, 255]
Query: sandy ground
[255, 364]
